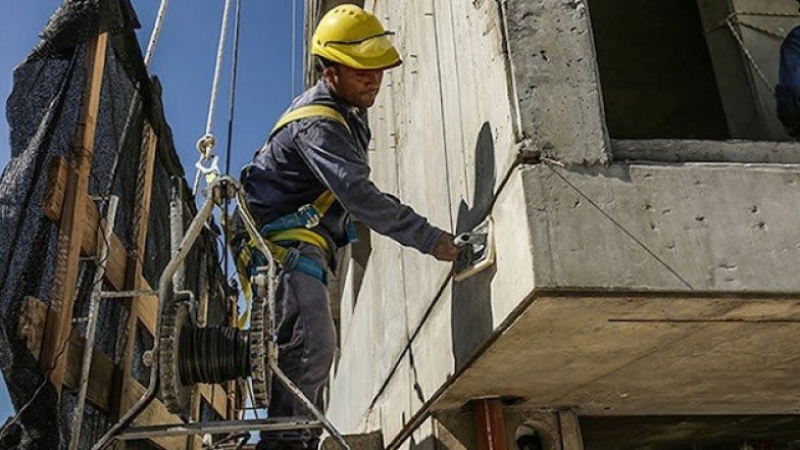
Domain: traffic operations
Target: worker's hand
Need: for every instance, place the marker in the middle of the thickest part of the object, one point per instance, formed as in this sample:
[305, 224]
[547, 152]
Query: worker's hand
[445, 250]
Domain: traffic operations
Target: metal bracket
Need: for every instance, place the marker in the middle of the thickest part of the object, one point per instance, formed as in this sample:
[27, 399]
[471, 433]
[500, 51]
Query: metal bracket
[477, 252]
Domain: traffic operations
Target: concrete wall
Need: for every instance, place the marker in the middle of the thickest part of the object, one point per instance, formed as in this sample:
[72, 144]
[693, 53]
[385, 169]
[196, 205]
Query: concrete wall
[498, 108]
[443, 140]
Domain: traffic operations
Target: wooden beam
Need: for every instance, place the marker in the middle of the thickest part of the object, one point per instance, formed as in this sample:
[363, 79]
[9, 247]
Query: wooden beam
[144, 189]
[216, 396]
[92, 225]
[55, 188]
[145, 309]
[59, 316]
[30, 328]
[154, 414]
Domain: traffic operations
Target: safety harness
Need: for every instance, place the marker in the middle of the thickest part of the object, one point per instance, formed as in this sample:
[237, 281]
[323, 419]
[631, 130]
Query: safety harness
[298, 226]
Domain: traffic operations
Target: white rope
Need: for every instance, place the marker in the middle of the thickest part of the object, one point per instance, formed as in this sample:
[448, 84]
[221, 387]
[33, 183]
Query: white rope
[294, 42]
[151, 46]
[223, 33]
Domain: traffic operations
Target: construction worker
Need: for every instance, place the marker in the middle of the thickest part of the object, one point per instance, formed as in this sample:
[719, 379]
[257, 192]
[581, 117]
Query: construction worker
[310, 154]
[787, 92]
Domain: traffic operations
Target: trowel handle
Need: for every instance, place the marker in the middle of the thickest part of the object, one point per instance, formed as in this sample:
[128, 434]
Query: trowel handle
[464, 239]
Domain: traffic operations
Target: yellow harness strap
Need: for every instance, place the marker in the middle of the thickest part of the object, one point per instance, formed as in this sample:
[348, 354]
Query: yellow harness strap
[322, 204]
[304, 112]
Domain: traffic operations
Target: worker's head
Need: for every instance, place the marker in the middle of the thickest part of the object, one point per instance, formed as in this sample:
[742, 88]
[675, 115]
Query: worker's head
[353, 49]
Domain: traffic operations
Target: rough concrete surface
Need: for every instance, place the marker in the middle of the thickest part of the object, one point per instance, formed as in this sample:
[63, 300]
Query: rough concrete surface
[704, 233]
[693, 227]
[644, 355]
[556, 79]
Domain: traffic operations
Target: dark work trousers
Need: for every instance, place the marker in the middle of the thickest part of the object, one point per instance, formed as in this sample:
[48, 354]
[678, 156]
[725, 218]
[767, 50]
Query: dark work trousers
[307, 342]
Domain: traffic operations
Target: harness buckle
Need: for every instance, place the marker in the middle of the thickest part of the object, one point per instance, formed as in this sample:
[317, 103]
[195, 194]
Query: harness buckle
[292, 258]
[309, 216]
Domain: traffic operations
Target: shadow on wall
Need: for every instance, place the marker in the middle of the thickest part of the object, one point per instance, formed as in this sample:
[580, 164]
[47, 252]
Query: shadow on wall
[471, 316]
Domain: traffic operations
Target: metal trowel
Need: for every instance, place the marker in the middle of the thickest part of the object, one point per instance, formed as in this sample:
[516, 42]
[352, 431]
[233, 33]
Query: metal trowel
[477, 250]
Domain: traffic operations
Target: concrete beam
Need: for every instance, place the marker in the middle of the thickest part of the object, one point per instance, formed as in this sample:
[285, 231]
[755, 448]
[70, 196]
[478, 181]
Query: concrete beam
[556, 80]
[648, 227]
[643, 355]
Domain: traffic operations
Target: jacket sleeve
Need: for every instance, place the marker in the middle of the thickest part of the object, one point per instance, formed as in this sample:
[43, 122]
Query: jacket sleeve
[330, 152]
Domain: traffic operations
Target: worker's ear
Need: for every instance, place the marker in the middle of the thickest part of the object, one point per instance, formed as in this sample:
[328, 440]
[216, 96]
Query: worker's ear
[329, 72]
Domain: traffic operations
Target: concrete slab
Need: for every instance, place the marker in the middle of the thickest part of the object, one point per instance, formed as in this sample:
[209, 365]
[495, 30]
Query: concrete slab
[641, 355]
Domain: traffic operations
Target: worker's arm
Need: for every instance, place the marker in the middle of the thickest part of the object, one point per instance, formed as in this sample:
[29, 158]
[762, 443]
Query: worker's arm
[332, 155]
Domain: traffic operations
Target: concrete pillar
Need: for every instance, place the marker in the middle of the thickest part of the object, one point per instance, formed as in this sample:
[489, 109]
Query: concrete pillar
[554, 71]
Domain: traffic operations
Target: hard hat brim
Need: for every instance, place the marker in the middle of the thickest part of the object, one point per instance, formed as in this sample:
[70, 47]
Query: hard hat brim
[372, 54]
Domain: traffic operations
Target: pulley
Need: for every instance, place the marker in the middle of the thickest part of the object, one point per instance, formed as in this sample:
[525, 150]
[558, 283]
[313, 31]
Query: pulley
[189, 355]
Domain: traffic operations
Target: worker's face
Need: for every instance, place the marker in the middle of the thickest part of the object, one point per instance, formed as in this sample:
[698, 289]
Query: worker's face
[355, 86]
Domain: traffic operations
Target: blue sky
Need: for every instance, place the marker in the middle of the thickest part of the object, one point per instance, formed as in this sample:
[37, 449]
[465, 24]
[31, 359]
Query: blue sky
[184, 62]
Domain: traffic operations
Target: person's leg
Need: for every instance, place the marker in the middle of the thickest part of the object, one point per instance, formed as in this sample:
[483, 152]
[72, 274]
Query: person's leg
[307, 341]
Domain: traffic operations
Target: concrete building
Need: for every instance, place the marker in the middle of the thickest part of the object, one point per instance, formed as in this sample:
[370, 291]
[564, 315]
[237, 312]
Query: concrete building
[645, 205]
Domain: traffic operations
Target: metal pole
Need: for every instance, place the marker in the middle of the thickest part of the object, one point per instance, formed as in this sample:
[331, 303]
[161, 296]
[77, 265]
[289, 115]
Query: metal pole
[301, 397]
[164, 284]
[489, 424]
[91, 326]
[232, 426]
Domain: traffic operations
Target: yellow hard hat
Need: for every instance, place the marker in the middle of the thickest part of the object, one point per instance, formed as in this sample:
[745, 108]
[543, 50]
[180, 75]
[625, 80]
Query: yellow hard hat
[353, 37]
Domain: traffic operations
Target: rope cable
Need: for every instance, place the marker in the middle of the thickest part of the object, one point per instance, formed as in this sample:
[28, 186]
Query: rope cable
[294, 46]
[234, 76]
[229, 143]
[223, 32]
[154, 36]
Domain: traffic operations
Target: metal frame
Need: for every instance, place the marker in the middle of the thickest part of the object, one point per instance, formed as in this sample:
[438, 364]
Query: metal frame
[218, 189]
[91, 319]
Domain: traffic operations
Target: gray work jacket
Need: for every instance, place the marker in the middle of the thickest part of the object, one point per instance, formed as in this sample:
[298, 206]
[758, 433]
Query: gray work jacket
[308, 156]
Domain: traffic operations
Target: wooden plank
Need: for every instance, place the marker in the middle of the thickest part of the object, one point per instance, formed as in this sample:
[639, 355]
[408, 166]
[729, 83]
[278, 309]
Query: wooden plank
[59, 316]
[100, 373]
[154, 414]
[55, 188]
[117, 254]
[30, 325]
[30, 328]
[216, 396]
[145, 189]
[145, 309]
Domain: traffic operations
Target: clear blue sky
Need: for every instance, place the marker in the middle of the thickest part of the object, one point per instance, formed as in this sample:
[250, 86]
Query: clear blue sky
[184, 61]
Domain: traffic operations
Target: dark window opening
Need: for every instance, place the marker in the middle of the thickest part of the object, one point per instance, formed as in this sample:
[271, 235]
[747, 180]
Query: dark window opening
[656, 72]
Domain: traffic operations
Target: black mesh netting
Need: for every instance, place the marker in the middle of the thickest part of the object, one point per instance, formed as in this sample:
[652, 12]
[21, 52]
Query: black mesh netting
[43, 112]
